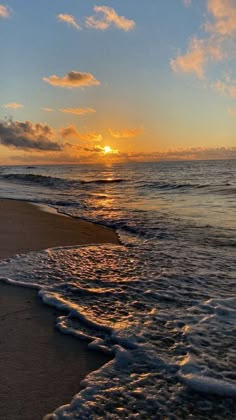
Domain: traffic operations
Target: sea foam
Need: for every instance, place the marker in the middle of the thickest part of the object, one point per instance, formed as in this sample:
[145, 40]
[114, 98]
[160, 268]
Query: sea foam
[165, 338]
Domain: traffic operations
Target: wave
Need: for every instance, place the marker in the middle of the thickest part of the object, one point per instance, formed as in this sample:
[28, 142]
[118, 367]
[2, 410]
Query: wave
[55, 182]
[224, 188]
[178, 366]
[172, 186]
[59, 183]
[103, 181]
[36, 179]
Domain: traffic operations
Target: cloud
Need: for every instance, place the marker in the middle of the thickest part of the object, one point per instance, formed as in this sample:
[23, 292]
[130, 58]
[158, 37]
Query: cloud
[224, 17]
[74, 111]
[231, 112]
[199, 52]
[105, 17]
[71, 132]
[95, 149]
[77, 111]
[126, 133]
[47, 109]
[71, 153]
[194, 153]
[27, 136]
[69, 19]
[4, 11]
[13, 105]
[101, 149]
[226, 86]
[219, 28]
[73, 79]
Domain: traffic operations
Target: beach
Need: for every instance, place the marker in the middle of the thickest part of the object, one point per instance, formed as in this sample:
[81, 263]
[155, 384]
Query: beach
[33, 354]
[25, 227]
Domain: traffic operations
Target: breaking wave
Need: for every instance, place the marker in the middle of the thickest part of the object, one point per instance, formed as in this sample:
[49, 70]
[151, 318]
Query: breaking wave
[55, 182]
[226, 188]
[171, 333]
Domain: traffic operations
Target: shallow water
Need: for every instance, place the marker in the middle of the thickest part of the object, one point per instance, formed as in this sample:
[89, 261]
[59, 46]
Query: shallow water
[163, 303]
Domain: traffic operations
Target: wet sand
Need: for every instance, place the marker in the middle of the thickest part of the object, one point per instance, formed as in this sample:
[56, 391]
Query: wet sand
[41, 368]
[24, 227]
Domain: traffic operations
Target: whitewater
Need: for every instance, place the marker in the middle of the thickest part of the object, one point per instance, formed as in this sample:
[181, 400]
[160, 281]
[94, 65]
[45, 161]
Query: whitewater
[162, 303]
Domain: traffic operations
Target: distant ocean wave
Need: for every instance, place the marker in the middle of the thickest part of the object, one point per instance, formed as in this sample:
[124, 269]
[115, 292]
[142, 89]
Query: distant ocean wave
[47, 181]
[169, 186]
[223, 188]
[103, 181]
[55, 182]
[59, 183]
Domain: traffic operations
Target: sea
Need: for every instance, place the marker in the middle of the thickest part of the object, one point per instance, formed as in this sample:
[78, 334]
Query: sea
[162, 303]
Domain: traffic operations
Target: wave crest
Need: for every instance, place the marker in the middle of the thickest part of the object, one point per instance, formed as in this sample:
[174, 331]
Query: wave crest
[56, 182]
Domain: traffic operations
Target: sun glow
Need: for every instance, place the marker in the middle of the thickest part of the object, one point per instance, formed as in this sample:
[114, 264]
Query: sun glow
[107, 149]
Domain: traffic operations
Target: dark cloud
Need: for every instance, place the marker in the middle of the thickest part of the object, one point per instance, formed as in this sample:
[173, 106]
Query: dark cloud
[94, 149]
[27, 136]
[73, 79]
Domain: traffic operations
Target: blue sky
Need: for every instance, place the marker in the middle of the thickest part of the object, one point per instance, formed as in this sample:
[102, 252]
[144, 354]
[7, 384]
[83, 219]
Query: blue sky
[152, 80]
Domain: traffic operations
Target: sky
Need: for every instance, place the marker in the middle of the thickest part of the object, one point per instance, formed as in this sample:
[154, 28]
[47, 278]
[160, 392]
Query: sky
[85, 81]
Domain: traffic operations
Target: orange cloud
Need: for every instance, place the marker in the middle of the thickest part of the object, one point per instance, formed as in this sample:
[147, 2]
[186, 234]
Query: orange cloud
[4, 11]
[47, 109]
[69, 19]
[74, 154]
[199, 52]
[71, 132]
[227, 86]
[101, 149]
[126, 133]
[105, 17]
[224, 14]
[232, 112]
[194, 153]
[13, 105]
[219, 28]
[73, 79]
[78, 111]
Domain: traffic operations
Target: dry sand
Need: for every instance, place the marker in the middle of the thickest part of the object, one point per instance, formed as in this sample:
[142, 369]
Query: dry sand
[41, 368]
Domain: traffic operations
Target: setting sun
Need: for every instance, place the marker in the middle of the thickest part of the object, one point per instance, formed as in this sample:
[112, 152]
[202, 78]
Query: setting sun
[107, 149]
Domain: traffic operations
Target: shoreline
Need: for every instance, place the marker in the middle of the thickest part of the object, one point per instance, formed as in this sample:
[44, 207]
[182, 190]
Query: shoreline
[41, 368]
[25, 227]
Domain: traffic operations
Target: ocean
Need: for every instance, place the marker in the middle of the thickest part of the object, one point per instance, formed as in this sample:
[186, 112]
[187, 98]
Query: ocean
[163, 303]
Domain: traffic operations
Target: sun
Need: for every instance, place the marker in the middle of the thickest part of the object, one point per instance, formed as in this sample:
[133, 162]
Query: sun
[107, 149]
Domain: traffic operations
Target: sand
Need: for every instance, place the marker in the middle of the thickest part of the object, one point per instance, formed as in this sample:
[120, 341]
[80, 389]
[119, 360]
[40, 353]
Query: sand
[24, 227]
[41, 368]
